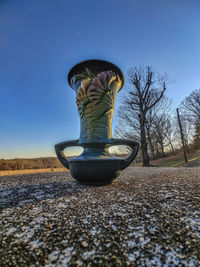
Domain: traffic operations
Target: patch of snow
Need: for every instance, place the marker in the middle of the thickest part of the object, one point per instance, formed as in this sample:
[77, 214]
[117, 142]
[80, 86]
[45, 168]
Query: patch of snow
[88, 254]
[93, 231]
[22, 190]
[28, 233]
[79, 263]
[39, 194]
[168, 195]
[171, 258]
[35, 244]
[5, 192]
[131, 243]
[157, 262]
[36, 210]
[193, 222]
[192, 262]
[143, 241]
[195, 226]
[96, 242]
[53, 256]
[85, 221]
[108, 245]
[130, 227]
[60, 258]
[11, 230]
[68, 251]
[114, 228]
[152, 229]
[131, 257]
[62, 205]
[25, 202]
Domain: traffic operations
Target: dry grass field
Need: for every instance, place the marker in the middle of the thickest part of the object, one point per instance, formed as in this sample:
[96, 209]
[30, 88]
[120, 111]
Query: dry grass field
[177, 160]
[16, 172]
[170, 161]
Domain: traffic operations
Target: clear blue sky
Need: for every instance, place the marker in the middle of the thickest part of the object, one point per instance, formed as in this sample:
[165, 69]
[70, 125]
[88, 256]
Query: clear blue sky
[41, 40]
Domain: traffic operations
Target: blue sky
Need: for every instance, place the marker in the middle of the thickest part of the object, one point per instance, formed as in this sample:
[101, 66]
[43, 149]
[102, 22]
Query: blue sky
[41, 40]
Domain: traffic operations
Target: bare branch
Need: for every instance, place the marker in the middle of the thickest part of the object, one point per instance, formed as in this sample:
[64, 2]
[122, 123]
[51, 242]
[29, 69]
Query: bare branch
[138, 104]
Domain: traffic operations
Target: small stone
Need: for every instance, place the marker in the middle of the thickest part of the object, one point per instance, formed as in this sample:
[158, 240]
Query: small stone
[84, 244]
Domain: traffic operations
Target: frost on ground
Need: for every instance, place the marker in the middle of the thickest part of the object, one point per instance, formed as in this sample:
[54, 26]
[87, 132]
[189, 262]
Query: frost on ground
[147, 217]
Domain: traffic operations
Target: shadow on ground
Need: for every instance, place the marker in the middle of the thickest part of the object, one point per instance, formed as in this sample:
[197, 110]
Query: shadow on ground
[19, 195]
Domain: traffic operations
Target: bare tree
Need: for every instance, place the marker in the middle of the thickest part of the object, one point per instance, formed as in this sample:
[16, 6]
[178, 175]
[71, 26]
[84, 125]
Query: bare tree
[146, 90]
[159, 128]
[190, 113]
[196, 140]
[161, 131]
[170, 135]
[149, 132]
[188, 132]
[190, 106]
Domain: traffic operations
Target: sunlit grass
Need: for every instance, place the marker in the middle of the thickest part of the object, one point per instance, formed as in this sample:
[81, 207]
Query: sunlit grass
[176, 160]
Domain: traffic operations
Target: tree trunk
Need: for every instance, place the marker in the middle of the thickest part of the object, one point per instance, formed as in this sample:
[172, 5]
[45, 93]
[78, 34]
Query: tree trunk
[150, 143]
[162, 148]
[172, 147]
[145, 156]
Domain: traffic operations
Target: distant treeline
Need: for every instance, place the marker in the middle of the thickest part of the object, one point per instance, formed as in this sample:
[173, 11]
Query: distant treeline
[36, 163]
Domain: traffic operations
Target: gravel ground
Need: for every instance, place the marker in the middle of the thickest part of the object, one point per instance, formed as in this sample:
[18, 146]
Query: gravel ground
[147, 217]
